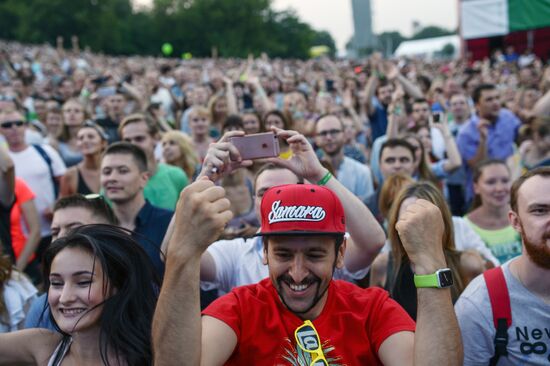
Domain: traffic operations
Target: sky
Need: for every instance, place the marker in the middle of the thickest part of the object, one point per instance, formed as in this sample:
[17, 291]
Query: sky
[335, 16]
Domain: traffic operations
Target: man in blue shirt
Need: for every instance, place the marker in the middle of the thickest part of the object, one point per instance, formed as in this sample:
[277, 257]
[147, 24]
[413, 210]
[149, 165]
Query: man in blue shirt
[123, 177]
[489, 134]
[379, 89]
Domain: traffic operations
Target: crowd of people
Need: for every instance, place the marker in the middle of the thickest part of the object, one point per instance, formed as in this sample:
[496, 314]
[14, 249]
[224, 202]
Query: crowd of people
[405, 218]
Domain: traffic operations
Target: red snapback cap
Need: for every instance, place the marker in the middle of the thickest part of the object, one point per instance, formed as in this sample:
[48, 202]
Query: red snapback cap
[301, 209]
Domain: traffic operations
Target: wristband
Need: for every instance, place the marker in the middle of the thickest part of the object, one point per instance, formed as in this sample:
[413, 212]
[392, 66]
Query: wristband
[325, 179]
[442, 278]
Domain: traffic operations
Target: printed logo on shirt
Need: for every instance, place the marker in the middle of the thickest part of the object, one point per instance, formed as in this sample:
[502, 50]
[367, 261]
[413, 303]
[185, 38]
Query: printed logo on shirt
[534, 343]
[281, 213]
[295, 356]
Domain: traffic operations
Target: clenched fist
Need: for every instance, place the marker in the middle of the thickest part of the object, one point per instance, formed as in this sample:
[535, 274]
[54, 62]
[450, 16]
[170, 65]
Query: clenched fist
[420, 229]
[201, 215]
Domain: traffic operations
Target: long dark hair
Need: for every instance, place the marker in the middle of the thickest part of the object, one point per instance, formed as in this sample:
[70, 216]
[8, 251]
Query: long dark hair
[127, 315]
[429, 192]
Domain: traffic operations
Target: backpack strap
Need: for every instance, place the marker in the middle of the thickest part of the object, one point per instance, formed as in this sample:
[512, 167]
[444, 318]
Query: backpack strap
[39, 149]
[502, 311]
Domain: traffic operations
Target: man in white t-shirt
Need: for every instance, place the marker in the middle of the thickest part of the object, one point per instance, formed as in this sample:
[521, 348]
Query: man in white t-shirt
[31, 166]
[527, 279]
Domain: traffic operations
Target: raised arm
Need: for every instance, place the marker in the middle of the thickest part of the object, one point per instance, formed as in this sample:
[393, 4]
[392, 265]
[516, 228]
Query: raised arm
[370, 89]
[7, 178]
[222, 158]
[393, 74]
[259, 89]
[437, 340]
[481, 151]
[454, 160]
[32, 218]
[201, 214]
[542, 106]
[367, 236]
[395, 110]
[347, 103]
[27, 347]
[230, 95]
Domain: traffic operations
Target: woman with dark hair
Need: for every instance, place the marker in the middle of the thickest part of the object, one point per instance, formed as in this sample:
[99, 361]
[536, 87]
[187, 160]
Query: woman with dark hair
[276, 118]
[422, 167]
[102, 291]
[489, 214]
[84, 177]
[400, 274]
[252, 123]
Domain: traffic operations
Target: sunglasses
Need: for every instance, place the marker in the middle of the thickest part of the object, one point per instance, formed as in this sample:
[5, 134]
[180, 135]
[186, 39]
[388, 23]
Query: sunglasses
[308, 340]
[329, 132]
[93, 196]
[10, 124]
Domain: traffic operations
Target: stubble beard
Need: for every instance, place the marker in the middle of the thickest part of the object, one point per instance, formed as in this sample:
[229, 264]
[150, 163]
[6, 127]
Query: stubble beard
[539, 253]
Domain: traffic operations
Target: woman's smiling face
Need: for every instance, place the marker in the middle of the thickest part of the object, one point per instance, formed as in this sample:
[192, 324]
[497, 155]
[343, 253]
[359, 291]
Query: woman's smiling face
[77, 290]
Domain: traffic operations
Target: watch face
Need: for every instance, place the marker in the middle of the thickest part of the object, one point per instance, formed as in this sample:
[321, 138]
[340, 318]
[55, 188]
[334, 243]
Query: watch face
[445, 278]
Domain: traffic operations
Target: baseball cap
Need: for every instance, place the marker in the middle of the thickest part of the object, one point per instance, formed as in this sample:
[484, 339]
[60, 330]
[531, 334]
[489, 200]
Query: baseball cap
[301, 209]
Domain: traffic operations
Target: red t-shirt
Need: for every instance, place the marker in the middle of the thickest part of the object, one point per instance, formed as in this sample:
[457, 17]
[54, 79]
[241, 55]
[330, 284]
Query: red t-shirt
[352, 326]
[22, 194]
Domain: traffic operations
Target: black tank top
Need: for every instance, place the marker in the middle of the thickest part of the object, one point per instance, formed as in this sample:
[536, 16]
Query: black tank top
[82, 187]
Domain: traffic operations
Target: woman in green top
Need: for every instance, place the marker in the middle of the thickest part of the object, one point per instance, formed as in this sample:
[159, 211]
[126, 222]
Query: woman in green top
[489, 214]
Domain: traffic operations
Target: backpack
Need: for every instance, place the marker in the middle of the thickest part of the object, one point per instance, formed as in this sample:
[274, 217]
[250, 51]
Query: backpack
[502, 311]
[40, 150]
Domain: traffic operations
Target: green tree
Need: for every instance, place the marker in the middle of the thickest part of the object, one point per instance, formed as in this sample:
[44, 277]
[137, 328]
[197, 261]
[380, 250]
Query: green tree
[235, 27]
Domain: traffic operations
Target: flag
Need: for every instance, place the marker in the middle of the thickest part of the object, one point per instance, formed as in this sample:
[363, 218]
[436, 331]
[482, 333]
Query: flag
[489, 18]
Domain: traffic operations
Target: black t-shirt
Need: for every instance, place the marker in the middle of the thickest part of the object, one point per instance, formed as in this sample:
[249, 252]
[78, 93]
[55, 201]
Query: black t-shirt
[5, 237]
[404, 289]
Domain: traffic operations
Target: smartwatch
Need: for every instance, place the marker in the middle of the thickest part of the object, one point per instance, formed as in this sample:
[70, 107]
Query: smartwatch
[442, 278]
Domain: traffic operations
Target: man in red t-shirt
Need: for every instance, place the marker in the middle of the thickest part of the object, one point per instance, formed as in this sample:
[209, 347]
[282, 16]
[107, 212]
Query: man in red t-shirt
[25, 214]
[300, 315]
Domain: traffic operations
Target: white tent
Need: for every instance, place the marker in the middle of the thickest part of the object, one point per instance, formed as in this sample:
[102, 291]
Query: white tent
[427, 48]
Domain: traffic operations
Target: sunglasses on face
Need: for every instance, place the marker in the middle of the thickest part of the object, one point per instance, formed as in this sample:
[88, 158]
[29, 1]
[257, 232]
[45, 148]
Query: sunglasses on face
[10, 124]
[308, 340]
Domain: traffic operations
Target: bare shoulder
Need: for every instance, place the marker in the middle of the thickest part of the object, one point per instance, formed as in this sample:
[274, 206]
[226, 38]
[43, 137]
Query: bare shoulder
[28, 346]
[44, 343]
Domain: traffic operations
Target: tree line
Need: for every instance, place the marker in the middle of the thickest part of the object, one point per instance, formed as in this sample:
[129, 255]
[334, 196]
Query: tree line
[235, 28]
